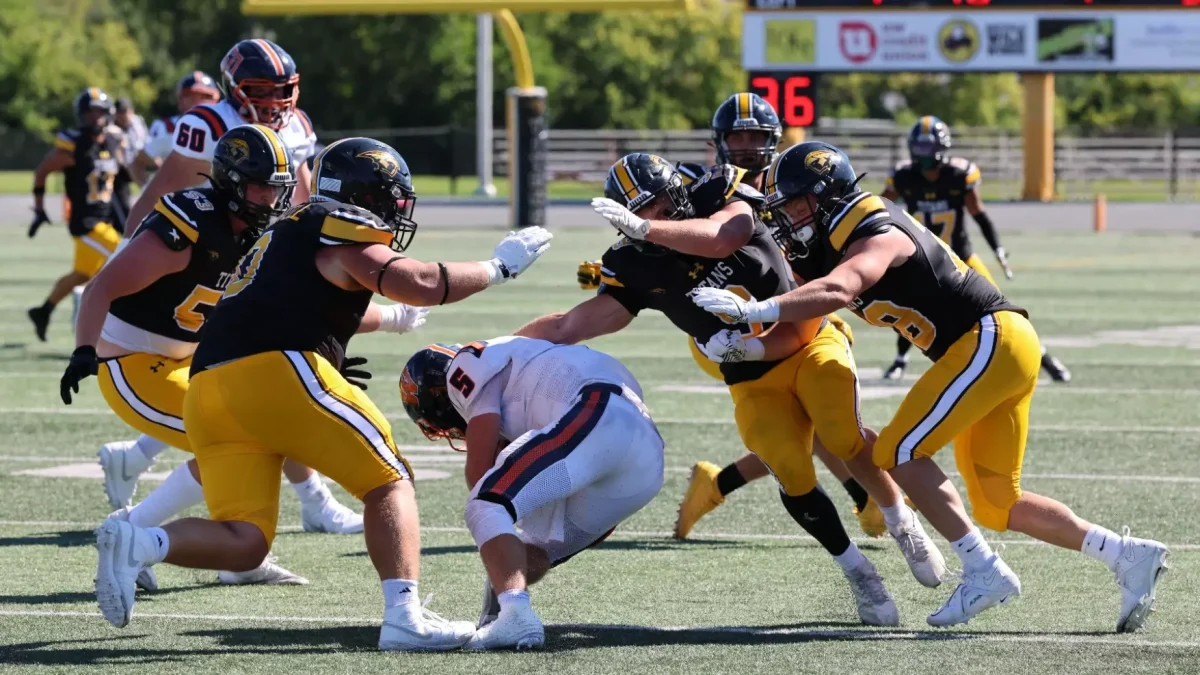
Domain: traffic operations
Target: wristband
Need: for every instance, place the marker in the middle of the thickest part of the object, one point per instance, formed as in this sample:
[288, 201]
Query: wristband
[389, 318]
[766, 311]
[495, 271]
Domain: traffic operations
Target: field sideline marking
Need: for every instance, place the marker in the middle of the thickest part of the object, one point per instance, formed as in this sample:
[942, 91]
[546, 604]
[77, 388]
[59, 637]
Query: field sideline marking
[865, 634]
[628, 534]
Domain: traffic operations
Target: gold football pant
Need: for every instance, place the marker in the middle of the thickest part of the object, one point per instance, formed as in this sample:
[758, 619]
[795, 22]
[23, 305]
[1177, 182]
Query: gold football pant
[246, 416]
[981, 269]
[146, 391]
[92, 249]
[977, 395]
[815, 389]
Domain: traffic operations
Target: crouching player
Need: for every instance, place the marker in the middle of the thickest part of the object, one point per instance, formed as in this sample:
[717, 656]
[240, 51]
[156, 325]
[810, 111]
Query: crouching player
[585, 456]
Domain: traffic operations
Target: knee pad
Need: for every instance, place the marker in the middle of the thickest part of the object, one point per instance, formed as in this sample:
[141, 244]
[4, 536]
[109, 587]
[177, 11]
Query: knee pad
[487, 520]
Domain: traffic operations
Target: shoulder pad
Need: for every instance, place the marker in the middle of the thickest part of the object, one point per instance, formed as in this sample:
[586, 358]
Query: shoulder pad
[690, 171]
[858, 215]
[305, 122]
[749, 195]
[175, 217]
[65, 139]
[902, 166]
[611, 262]
[346, 224]
[966, 172]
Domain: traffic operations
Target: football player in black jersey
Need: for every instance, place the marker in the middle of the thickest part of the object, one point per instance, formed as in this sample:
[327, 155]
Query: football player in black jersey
[141, 319]
[864, 252]
[936, 189]
[746, 134]
[269, 382]
[89, 156]
[678, 240]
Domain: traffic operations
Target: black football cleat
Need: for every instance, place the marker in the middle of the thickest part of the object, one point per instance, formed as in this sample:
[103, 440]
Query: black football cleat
[40, 316]
[896, 370]
[1055, 368]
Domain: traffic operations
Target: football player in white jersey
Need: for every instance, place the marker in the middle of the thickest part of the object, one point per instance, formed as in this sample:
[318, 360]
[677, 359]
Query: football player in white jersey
[584, 456]
[195, 88]
[261, 86]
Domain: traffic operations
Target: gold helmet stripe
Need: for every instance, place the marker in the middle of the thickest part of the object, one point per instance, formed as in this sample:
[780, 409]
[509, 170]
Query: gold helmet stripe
[743, 105]
[629, 187]
[926, 124]
[276, 146]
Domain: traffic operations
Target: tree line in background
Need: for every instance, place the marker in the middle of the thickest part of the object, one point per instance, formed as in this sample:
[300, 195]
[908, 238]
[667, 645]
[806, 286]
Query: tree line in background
[615, 70]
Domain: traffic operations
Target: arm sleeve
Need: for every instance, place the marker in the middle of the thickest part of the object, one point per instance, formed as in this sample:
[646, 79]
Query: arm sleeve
[988, 229]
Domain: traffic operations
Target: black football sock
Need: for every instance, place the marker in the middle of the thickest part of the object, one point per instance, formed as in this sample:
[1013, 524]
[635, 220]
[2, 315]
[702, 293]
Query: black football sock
[857, 493]
[818, 516]
[730, 479]
[47, 307]
[902, 347]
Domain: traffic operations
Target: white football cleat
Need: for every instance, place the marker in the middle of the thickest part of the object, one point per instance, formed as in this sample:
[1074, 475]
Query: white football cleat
[408, 629]
[122, 462]
[875, 605]
[992, 584]
[517, 627]
[267, 573]
[922, 555]
[147, 580]
[123, 550]
[1138, 570]
[330, 517]
[491, 605]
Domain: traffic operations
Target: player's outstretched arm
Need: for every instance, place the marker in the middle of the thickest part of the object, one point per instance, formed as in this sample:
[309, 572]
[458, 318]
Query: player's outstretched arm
[397, 318]
[717, 236]
[176, 173]
[598, 316]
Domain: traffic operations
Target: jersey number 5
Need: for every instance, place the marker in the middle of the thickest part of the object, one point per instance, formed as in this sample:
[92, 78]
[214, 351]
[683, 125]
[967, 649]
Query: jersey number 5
[190, 313]
[462, 382]
[247, 267]
[906, 321]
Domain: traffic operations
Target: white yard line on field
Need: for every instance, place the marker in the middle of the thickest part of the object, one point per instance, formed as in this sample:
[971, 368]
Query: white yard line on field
[864, 634]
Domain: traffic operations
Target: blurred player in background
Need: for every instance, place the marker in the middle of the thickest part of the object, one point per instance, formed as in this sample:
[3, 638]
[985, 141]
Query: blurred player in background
[585, 456]
[134, 128]
[855, 249]
[936, 188]
[261, 87]
[269, 382]
[195, 88]
[90, 157]
[746, 134]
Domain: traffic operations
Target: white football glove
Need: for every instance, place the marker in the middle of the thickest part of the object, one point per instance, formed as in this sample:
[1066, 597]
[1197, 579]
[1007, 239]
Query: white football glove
[622, 218]
[517, 252]
[401, 318]
[733, 309]
[728, 346]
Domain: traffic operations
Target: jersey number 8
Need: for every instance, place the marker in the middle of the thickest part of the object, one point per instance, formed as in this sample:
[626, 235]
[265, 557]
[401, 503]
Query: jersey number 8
[906, 321]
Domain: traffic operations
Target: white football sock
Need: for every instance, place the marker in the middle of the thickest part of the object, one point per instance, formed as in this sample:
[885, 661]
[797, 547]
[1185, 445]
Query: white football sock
[1103, 545]
[902, 358]
[972, 550]
[851, 559]
[162, 544]
[514, 598]
[897, 516]
[150, 447]
[400, 593]
[313, 490]
[178, 492]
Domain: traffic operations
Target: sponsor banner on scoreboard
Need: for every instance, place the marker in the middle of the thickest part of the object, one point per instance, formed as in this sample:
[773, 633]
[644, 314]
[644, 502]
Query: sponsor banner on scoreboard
[1164, 40]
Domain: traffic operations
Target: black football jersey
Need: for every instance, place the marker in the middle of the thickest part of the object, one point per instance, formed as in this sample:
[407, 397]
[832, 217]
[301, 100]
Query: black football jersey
[651, 277]
[932, 299]
[938, 204]
[89, 182]
[177, 305]
[279, 301]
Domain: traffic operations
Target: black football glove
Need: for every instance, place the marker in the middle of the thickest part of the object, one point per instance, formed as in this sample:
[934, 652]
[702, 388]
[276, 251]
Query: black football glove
[39, 218]
[83, 364]
[352, 372]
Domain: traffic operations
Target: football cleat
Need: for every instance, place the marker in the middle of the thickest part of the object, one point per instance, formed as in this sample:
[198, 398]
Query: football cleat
[1055, 368]
[491, 605]
[701, 497]
[870, 519]
[147, 580]
[517, 627]
[922, 555]
[330, 517]
[409, 630]
[122, 463]
[895, 371]
[40, 317]
[1138, 571]
[123, 550]
[991, 584]
[267, 573]
[875, 605]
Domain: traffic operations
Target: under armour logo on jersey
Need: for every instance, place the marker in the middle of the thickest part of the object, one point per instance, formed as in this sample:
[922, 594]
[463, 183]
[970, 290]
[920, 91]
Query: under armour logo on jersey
[697, 270]
[154, 368]
[214, 255]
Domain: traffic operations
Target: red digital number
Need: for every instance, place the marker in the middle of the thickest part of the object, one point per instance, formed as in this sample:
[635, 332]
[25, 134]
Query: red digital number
[767, 88]
[190, 137]
[798, 108]
[980, 3]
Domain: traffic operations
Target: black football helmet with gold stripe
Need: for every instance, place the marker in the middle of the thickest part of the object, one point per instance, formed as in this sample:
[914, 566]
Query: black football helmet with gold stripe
[253, 154]
[813, 168]
[928, 142]
[637, 179]
[371, 175]
[747, 112]
[93, 110]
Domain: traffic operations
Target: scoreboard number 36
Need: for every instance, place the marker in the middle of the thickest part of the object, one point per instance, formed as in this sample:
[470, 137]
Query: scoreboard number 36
[792, 95]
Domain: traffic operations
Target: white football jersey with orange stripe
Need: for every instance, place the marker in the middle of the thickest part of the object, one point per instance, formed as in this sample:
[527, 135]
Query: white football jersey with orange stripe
[531, 383]
[197, 131]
